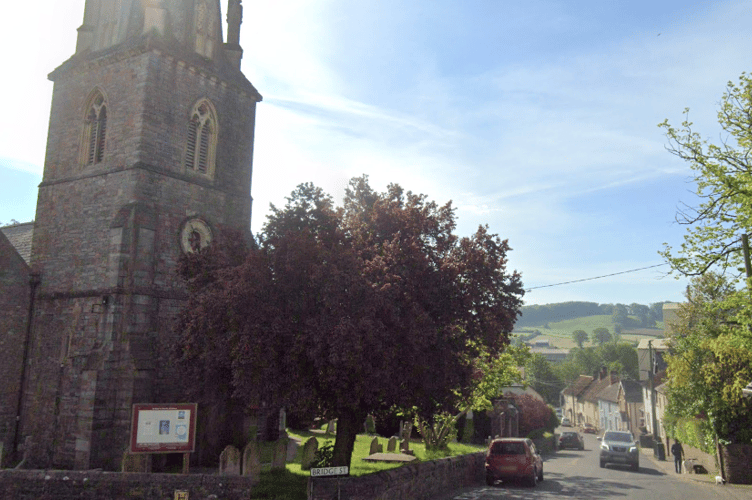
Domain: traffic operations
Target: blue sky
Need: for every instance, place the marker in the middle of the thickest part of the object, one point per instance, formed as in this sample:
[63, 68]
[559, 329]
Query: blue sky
[537, 118]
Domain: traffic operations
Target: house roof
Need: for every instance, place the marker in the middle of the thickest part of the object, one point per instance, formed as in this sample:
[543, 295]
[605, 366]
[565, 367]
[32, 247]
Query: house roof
[609, 393]
[658, 344]
[592, 393]
[632, 391]
[577, 387]
[19, 235]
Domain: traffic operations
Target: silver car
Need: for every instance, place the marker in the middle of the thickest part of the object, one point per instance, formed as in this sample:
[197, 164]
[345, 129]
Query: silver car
[619, 447]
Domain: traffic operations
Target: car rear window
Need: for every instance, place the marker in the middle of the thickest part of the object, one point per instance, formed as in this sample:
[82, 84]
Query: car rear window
[622, 437]
[508, 449]
[568, 434]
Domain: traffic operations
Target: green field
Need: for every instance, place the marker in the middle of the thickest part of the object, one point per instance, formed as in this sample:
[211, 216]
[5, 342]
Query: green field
[559, 333]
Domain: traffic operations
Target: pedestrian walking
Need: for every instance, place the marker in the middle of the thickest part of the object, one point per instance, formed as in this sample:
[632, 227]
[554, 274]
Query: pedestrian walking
[678, 452]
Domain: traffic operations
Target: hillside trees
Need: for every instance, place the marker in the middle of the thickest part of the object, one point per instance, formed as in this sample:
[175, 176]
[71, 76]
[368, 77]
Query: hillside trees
[580, 337]
[600, 336]
[343, 311]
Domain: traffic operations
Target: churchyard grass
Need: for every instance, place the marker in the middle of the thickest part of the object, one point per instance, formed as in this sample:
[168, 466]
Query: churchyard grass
[358, 467]
[290, 484]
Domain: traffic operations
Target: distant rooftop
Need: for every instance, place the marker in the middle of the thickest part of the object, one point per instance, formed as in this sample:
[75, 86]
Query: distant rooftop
[20, 236]
[658, 344]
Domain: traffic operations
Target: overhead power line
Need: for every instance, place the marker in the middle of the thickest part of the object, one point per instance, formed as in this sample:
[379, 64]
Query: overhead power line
[596, 277]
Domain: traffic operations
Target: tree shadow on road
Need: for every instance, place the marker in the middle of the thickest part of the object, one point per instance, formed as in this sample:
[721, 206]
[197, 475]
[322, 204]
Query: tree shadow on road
[561, 486]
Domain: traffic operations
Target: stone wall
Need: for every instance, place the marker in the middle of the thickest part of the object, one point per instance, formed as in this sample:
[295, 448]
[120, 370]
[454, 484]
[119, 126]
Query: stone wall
[421, 481]
[69, 485]
[14, 309]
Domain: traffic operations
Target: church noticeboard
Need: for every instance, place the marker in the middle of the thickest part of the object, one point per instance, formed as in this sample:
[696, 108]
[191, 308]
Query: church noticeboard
[163, 428]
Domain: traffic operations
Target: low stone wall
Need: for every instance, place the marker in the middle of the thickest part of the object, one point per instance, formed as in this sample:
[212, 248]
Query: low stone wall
[94, 485]
[417, 481]
[736, 463]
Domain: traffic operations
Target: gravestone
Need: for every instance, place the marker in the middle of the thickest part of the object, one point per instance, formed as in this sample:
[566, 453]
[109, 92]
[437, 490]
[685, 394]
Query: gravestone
[280, 451]
[135, 462]
[229, 461]
[309, 453]
[375, 446]
[391, 446]
[252, 460]
[330, 427]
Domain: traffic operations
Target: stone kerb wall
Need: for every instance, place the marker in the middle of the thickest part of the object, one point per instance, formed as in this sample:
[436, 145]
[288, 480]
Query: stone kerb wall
[421, 481]
[93, 485]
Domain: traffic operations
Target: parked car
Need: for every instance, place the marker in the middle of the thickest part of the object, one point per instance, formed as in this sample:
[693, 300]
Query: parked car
[619, 447]
[588, 429]
[571, 439]
[565, 422]
[513, 458]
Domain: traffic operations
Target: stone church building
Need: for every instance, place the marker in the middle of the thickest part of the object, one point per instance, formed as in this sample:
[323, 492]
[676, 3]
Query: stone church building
[149, 155]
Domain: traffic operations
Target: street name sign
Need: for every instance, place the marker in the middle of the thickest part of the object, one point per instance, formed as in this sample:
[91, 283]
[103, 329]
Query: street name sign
[329, 471]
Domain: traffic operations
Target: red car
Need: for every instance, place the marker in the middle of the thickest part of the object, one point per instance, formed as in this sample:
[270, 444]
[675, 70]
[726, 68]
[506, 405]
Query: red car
[588, 429]
[513, 458]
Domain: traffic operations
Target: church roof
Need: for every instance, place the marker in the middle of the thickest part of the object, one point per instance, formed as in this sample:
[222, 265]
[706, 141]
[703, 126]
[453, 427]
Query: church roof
[20, 236]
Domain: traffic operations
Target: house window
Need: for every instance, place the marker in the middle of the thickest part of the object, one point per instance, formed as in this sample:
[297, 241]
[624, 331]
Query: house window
[95, 130]
[202, 139]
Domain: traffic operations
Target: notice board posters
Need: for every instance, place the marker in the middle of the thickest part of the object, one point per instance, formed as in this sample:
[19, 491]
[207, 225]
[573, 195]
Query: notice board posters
[163, 428]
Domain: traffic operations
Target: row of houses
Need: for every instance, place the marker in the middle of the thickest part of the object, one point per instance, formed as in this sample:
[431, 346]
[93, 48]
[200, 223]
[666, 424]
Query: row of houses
[604, 402]
[608, 403]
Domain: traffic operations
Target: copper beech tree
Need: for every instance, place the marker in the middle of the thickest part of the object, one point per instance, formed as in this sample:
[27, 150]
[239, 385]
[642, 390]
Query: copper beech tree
[344, 311]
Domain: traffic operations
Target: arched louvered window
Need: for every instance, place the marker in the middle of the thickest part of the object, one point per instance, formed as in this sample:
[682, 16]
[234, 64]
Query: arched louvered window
[95, 129]
[202, 139]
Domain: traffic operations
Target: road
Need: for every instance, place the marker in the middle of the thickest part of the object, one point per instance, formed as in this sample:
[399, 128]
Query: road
[577, 474]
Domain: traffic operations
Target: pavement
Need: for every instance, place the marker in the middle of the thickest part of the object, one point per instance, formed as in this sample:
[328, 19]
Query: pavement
[667, 467]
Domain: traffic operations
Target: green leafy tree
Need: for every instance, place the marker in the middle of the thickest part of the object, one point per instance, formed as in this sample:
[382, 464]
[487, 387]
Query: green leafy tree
[710, 363]
[540, 375]
[600, 336]
[347, 311]
[723, 175]
[580, 337]
[492, 373]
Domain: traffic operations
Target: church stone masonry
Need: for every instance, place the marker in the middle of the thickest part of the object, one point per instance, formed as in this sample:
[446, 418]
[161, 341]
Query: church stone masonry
[149, 154]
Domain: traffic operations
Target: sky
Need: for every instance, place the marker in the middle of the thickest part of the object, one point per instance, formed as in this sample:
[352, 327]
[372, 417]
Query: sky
[537, 118]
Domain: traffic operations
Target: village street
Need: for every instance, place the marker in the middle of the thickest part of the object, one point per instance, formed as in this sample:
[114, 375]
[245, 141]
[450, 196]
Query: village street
[577, 475]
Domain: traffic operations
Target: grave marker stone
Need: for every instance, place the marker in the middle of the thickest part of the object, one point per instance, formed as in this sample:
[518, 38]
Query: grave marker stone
[375, 446]
[252, 460]
[391, 446]
[309, 453]
[280, 451]
[229, 461]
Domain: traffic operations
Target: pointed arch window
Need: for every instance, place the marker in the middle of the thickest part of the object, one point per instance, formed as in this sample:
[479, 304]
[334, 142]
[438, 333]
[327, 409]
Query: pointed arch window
[202, 139]
[95, 130]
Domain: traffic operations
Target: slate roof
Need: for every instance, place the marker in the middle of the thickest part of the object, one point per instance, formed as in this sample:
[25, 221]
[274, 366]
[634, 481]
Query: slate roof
[610, 393]
[20, 236]
[632, 391]
[577, 387]
[592, 393]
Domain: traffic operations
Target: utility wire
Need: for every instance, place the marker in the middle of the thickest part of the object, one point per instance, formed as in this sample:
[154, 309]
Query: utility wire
[596, 277]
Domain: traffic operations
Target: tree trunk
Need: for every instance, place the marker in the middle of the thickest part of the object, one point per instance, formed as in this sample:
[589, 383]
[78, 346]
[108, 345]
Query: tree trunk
[348, 425]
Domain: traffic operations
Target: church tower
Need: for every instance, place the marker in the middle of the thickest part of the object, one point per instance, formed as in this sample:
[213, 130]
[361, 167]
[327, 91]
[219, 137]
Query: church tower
[149, 155]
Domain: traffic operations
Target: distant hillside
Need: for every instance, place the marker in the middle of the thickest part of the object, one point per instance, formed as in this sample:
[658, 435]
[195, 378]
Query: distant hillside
[540, 315]
[559, 333]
